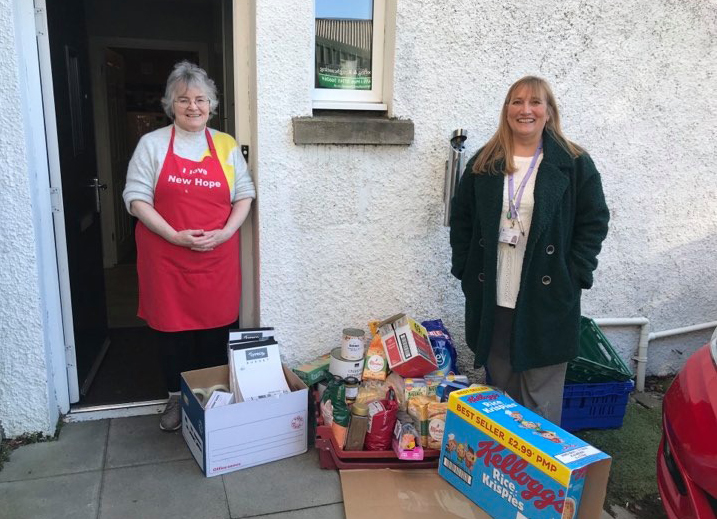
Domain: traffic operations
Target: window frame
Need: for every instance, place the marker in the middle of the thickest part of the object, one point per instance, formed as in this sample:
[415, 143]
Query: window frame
[343, 99]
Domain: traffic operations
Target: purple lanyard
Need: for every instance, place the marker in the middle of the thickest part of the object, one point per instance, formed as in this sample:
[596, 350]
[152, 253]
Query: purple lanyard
[515, 198]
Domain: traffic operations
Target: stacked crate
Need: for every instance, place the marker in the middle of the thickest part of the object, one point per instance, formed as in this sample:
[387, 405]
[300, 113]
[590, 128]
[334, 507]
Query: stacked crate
[598, 383]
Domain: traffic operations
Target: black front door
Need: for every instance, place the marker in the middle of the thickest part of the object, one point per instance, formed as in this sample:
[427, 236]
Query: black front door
[80, 188]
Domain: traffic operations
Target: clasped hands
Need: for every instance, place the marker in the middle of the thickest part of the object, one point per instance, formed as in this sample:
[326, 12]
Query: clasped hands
[200, 240]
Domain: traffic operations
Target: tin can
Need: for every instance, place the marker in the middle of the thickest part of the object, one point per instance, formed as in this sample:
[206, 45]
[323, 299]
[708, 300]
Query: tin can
[352, 344]
[345, 368]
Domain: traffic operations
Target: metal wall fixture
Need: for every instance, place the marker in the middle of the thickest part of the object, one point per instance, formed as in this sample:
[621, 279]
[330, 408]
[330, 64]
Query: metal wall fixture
[454, 169]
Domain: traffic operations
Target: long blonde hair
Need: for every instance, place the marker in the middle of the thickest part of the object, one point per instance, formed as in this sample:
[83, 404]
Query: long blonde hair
[500, 146]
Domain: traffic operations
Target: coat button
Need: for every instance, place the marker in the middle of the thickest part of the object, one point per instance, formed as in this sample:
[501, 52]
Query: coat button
[481, 277]
[549, 249]
[481, 242]
[546, 280]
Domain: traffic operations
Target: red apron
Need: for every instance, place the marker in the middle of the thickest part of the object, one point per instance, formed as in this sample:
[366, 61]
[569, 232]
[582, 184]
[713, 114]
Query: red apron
[181, 289]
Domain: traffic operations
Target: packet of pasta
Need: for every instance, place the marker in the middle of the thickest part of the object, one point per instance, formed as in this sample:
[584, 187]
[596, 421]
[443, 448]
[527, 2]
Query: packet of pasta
[375, 366]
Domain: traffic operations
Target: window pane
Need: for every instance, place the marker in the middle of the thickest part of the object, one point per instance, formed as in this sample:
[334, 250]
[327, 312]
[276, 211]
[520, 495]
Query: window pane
[344, 42]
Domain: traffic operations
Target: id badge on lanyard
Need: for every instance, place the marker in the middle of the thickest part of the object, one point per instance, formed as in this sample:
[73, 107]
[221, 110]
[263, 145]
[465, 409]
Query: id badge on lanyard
[509, 233]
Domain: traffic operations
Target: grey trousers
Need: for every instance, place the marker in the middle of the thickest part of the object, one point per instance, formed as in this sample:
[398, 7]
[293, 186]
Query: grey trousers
[539, 389]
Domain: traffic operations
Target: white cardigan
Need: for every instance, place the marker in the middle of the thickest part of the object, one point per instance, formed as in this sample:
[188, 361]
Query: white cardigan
[510, 259]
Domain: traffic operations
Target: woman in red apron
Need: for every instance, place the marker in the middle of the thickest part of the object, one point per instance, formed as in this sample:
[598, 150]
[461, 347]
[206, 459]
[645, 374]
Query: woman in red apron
[187, 242]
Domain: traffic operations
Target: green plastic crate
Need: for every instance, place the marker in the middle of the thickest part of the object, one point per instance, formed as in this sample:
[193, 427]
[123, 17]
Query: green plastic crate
[596, 360]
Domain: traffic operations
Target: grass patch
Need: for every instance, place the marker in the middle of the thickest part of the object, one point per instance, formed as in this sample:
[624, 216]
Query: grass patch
[9, 445]
[633, 475]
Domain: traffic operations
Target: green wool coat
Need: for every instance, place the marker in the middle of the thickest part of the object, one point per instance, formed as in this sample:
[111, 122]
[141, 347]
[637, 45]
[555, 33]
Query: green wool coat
[570, 222]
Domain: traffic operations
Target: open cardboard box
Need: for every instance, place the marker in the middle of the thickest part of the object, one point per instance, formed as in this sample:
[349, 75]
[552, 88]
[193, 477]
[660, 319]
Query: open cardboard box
[245, 434]
[404, 494]
[423, 494]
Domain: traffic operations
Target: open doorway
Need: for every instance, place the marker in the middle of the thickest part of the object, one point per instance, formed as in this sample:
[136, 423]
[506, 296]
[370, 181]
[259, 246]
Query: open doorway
[110, 62]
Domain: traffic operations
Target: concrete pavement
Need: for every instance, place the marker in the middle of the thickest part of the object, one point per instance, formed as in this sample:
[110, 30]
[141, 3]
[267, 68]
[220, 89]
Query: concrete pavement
[126, 468]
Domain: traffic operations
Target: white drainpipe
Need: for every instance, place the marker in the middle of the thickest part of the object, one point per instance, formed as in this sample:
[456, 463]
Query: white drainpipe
[686, 329]
[646, 337]
[641, 356]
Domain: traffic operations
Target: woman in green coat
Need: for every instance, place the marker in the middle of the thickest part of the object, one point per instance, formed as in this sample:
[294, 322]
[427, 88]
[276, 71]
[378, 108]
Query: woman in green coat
[527, 223]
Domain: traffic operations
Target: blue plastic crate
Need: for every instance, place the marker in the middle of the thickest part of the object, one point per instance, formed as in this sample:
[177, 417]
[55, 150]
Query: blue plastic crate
[595, 406]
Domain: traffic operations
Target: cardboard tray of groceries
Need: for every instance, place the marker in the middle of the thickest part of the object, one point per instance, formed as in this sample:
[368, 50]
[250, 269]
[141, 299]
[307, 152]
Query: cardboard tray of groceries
[331, 456]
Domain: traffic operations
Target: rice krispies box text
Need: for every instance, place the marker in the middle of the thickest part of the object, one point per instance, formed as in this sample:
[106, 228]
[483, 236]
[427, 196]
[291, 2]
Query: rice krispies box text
[514, 463]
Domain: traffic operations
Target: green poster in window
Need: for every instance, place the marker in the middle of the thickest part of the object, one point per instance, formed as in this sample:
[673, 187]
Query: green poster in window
[346, 77]
[343, 53]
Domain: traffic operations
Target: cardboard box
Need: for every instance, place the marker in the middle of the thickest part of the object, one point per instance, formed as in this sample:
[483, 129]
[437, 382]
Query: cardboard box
[403, 494]
[514, 463]
[408, 349]
[241, 435]
[315, 370]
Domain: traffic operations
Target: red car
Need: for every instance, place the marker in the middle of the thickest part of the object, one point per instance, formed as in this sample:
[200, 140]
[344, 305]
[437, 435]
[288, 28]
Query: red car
[687, 456]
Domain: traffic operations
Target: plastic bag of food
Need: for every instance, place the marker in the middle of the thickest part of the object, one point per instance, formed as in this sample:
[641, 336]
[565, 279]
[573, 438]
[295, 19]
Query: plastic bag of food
[381, 420]
[334, 410]
[406, 388]
[430, 418]
[442, 345]
[405, 441]
[417, 408]
[436, 423]
[376, 365]
[370, 391]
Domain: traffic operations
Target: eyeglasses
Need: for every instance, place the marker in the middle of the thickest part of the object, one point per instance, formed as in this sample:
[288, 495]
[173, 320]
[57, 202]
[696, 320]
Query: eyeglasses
[184, 102]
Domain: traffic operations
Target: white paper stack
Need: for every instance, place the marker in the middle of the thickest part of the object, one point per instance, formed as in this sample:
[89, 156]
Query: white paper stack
[255, 369]
[236, 337]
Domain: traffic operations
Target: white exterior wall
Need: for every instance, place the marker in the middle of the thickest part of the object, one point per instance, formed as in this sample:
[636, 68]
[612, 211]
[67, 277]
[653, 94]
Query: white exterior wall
[26, 405]
[349, 233]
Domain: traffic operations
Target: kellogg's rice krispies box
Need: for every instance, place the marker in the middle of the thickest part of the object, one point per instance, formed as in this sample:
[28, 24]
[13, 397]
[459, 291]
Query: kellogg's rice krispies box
[515, 464]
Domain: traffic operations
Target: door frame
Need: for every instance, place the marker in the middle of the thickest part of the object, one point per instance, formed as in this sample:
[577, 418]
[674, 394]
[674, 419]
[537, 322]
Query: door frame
[31, 35]
[96, 47]
[63, 385]
[58, 220]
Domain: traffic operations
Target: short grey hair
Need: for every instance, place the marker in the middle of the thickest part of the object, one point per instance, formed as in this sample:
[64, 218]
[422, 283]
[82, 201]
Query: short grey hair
[186, 75]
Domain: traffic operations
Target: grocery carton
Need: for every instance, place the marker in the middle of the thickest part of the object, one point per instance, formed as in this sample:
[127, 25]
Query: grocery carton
[315, 370]
[407, 346]
[514, 463]
[244, 434]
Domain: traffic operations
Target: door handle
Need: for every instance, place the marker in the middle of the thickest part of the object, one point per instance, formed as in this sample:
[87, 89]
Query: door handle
[95, 184]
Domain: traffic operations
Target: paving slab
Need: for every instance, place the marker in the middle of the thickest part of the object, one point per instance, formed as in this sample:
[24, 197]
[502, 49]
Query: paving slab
[290, 484]
[71, 496]
[79, 448]
[335, 511]
[171, 490]
[648, 400]
[139, 441]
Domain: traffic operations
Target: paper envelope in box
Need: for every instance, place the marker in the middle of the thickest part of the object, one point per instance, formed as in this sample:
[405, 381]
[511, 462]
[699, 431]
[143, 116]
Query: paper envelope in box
[515, 464]
[408, 349]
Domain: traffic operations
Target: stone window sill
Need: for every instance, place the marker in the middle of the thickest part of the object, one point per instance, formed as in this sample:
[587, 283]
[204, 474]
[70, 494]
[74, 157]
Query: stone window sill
[352, 129]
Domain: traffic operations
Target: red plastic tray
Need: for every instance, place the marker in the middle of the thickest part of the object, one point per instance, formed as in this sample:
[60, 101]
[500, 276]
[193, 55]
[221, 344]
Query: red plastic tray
[333, 457]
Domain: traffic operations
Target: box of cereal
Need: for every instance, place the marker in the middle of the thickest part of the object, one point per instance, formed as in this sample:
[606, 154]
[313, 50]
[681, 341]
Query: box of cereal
[515, 464]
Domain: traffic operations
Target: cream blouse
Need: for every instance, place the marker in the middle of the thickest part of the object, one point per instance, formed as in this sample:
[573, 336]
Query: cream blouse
[510, 259]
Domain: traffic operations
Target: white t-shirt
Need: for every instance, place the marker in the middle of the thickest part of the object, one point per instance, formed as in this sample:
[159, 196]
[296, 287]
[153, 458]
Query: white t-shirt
[510, 259]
